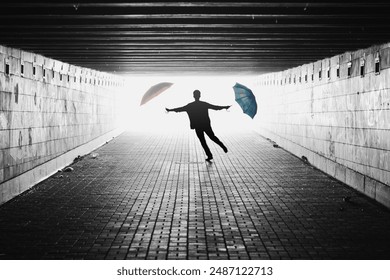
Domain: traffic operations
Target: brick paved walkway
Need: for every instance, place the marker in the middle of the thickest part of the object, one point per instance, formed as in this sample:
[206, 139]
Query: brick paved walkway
[154, 197]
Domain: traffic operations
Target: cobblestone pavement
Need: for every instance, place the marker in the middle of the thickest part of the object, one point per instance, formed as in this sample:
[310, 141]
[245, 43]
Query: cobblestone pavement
[154, 197]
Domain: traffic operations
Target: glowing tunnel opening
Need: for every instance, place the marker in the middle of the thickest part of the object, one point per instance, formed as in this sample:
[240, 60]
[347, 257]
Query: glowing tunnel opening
[152, 116]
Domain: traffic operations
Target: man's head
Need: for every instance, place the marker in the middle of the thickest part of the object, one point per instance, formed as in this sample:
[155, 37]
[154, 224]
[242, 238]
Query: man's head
[196, 94]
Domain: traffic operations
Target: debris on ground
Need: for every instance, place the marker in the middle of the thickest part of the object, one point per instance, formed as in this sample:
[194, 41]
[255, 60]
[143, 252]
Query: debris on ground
[78, 158]
[275, 145]
[305, 159]
[60, 176]
[68, 169]
[94, 155]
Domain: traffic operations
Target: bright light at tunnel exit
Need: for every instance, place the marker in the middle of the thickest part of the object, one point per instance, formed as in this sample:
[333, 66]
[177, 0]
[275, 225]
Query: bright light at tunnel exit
[152, 116]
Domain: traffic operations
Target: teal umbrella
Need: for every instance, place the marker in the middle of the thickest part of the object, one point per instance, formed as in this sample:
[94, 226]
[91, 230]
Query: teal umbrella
[246, 99]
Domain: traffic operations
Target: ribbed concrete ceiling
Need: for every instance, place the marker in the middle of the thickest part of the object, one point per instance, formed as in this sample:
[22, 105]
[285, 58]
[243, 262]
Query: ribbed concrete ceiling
[162, 36]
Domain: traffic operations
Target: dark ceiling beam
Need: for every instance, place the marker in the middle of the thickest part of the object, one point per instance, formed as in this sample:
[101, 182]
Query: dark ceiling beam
[295, 48]
[189, 51]
[227, 44]
[137, 33]
[181, 58]
[197, 42]
[188, 17]
[205, 27]
[178, 38]
[234, 4]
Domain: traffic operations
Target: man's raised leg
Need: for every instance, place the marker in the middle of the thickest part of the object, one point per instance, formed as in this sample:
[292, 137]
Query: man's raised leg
[211, 135]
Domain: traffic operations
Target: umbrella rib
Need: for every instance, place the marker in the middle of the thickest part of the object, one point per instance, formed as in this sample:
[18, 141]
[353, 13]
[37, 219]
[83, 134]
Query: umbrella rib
[245, 96]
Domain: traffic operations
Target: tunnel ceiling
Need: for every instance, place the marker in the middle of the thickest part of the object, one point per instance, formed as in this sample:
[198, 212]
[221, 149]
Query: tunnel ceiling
[186, 37]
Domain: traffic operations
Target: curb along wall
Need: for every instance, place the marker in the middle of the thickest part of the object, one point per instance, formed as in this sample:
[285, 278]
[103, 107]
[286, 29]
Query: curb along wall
[336, 113]
[50, 112]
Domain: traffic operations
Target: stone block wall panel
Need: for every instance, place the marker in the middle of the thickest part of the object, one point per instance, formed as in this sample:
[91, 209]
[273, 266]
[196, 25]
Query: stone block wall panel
[341, 123]
[48, 109]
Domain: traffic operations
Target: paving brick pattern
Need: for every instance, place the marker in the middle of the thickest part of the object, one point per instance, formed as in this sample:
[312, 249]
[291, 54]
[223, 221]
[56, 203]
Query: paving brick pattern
[154, 197]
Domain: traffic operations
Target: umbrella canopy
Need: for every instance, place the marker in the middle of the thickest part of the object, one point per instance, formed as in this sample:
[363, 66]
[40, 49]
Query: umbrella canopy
[246, 99]
[154, 91]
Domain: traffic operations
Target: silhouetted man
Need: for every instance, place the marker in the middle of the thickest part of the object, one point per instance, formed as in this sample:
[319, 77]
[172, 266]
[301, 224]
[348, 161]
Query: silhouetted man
[199, 120]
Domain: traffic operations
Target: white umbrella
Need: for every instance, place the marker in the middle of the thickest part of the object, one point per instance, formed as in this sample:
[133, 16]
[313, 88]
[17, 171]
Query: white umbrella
[154, 91]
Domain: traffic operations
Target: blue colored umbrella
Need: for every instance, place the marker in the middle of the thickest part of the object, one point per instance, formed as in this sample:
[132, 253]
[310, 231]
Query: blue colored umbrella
[246, 99]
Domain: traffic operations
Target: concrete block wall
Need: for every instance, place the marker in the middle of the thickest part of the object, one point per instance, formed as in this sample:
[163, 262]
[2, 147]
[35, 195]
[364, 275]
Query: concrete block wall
[336, 113]
[50, 112]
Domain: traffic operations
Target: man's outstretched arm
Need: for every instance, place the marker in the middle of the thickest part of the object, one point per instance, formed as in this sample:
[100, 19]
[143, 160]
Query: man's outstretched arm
[216, 107]
[177, 110]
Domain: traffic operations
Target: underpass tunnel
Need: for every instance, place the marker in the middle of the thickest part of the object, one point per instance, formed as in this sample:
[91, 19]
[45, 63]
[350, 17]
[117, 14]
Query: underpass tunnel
[87, 172]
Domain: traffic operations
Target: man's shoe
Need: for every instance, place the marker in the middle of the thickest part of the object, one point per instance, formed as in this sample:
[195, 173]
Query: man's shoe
[209, 158]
